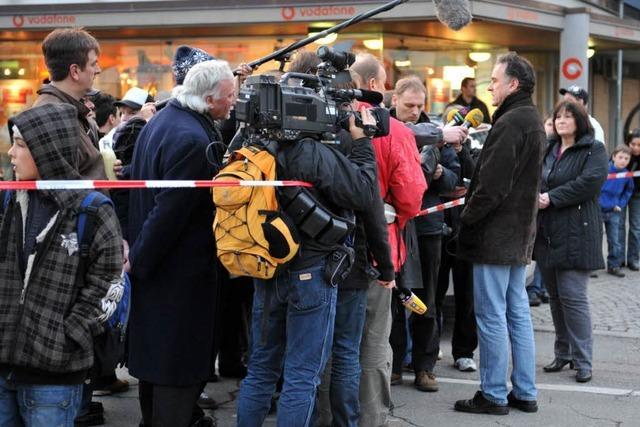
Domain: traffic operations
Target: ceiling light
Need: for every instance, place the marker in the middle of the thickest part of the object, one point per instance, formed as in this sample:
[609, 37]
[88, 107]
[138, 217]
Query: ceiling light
[373, 44]
[479, 56]
[430, 71]
[21, 72]
[403, 60]
[590, 52]
[403, 63]
[7, 72]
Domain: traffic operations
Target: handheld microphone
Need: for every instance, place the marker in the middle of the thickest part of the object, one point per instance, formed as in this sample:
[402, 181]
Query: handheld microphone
[473, 118]
[454, 118]
[455, 14]
[410, 300]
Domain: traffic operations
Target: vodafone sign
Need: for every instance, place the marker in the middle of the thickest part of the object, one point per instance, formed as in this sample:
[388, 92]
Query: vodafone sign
[20, 21]
[572, 68]
[315, 12]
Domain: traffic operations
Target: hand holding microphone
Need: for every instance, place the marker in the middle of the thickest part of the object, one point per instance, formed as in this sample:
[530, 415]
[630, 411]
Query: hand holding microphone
[410, 300]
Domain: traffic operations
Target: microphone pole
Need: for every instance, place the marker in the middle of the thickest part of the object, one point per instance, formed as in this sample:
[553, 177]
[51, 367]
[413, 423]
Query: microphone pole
[301, 43]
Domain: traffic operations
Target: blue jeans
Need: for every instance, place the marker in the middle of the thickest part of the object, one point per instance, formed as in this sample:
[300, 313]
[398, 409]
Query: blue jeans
[502, 313]
[633, 248]
[292, 328]
[31, 405]
[345, 358]
[537, 286]
[612, 222]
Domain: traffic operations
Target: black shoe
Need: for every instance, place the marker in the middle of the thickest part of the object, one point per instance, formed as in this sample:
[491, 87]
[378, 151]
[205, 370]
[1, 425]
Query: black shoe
[593, 275]
[583, 375]
[534, 300]
[523, 405]
[633, 267]
[615, 271]
[96, 408]
[206, 402]
[544, 297]
[205, 421]
[480, 405]
[89, 419]
[557, 365]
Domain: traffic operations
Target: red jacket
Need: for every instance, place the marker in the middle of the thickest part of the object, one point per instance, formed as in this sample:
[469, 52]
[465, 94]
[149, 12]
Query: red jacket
[401, 182]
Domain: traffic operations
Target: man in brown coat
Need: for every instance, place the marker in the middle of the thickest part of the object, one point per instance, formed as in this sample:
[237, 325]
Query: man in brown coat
[71, 55]
[497, 235]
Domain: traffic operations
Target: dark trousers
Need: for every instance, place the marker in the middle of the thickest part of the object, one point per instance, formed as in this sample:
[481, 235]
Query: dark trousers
[167, 406]
[465, 337]
[424, 329]
[234, 314]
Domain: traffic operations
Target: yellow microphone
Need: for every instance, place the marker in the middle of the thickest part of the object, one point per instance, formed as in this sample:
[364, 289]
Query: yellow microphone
[473, 119]
[411, 301]
[454, 118]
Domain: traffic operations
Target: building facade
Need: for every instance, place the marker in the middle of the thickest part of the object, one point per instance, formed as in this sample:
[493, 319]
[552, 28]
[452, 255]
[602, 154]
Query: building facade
[138, 39]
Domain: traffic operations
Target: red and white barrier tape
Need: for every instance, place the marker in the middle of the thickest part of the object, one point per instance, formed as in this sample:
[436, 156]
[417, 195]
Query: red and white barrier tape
[621, 175]
[442, 207]
[104, 184]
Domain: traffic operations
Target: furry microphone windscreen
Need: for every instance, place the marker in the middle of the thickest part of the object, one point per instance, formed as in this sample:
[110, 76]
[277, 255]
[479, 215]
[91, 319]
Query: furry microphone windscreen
[455, 14]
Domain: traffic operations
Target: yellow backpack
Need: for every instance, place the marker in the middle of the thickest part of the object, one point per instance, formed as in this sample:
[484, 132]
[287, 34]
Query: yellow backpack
[253, 236]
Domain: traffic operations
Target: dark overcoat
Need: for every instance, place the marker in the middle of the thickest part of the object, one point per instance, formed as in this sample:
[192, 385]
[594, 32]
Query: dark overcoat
[570, 229]
[499, 219]
[173, 254]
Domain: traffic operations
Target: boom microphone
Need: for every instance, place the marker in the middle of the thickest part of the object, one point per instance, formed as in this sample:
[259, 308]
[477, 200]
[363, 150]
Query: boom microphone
[455, 14]
[473, 119]
[454, 118]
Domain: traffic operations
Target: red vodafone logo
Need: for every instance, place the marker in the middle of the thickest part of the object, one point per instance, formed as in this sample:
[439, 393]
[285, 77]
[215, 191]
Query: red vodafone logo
[572, 68]
[288, 13]
[18, 21]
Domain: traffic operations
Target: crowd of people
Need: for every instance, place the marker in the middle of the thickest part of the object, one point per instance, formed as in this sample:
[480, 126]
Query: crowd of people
[317, 350]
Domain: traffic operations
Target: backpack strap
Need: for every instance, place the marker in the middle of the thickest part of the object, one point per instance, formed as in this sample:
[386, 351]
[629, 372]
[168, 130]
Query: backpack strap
[6, 199]
[86, 222]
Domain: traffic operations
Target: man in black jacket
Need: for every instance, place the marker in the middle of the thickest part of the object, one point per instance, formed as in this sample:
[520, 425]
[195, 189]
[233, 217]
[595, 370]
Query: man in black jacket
[497, 235]
[468, 98]
[409, 98]
[293, 313]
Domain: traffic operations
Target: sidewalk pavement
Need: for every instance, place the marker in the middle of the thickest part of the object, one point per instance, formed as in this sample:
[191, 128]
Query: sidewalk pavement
[611, 399]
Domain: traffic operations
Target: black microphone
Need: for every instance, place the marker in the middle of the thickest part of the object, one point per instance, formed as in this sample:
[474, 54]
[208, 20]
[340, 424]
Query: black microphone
[369, 96]
[455, 14]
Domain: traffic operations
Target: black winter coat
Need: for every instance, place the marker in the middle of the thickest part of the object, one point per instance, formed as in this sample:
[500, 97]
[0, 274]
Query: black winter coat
[173, 254]
[499, 219]
[570, 229]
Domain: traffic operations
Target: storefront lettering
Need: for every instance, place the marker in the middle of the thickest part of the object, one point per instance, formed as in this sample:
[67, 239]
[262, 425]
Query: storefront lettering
[289, 13]
[522, 15]
[624, 32]
[52, 20]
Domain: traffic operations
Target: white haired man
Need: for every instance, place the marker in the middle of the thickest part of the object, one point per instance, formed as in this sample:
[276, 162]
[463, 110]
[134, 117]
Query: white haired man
[169, 229]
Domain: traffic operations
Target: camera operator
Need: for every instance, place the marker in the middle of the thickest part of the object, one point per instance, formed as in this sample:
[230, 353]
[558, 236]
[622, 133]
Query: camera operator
[401, 185]
[409, 100]
[294, 313]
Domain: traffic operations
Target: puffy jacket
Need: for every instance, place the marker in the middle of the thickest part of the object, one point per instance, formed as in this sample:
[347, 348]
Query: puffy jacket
[48, 313]
[615, 192]
[401, 181]
[570, 229]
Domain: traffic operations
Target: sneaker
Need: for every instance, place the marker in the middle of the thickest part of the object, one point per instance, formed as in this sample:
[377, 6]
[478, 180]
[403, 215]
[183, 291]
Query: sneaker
[206, 402]
[440, 354]
[480, 405]
[465, 364]
[523, 405]
[534, 300]
[615, 271]
[396, 379]
[426, 381]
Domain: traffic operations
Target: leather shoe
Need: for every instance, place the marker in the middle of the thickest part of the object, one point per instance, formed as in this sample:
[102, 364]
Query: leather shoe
[633, 267]
[557, 365]
[480, 405]
[523, 405]
[534, 300]
[583, 375]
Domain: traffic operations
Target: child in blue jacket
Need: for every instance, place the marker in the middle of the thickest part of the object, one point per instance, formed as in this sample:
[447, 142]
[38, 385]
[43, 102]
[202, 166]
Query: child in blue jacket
[614, 197]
